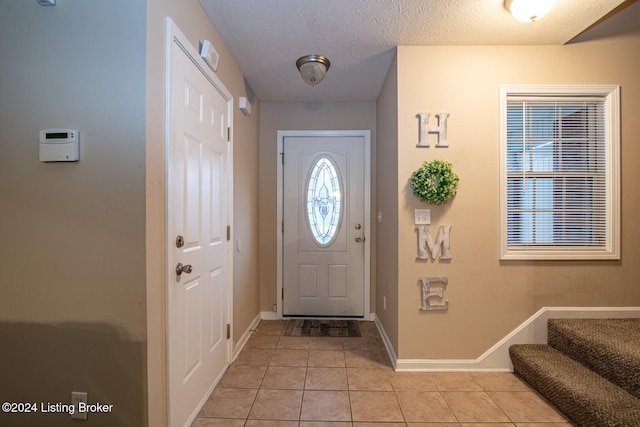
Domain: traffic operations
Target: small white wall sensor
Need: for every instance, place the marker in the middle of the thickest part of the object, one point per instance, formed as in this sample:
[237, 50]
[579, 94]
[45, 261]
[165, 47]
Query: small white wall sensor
[245, 106]
[59, 145]
[209, 54]
[47, 2]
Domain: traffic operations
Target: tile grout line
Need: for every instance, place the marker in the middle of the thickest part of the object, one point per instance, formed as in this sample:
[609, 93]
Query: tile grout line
[512, 421]
[346, 371]
[261, 383]
[449, 406]
[395, 394]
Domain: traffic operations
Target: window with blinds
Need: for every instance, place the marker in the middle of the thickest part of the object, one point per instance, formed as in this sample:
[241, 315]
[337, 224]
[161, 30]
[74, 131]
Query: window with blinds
[559, 173]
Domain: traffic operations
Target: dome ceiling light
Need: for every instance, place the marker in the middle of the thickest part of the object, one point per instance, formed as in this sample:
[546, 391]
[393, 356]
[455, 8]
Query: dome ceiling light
[529, 10]
[313, 68]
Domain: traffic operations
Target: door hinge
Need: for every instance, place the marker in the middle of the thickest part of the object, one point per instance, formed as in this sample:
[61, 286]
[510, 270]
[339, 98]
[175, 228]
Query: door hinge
[282, 294]
[282, 157]
[228, 232]
[283, 226]
[228, 133]
[228, 331]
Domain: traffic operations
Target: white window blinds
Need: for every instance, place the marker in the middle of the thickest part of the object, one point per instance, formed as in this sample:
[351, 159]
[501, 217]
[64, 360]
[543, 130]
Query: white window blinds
[557, 176]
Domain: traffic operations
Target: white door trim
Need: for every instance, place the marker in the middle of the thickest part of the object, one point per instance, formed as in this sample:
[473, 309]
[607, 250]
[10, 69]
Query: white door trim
[175, 35]
[366, 134]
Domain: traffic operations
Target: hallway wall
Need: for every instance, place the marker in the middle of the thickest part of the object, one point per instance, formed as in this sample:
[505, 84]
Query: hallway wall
[386, 242]
[72, 301]
[277, 116]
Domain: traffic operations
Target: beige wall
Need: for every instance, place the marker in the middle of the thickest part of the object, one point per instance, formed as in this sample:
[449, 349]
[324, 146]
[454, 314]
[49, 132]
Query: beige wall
[387, 189]
[194, 23]
[72, 299]
[489, 298]
[88, 238]
[277, 116]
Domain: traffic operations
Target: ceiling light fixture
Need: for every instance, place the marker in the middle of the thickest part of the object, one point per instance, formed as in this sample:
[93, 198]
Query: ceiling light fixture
[529, 10]
[313, 68]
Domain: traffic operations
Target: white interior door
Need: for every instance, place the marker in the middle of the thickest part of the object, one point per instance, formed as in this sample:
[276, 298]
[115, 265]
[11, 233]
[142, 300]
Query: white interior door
[324, 227]
[198, 177]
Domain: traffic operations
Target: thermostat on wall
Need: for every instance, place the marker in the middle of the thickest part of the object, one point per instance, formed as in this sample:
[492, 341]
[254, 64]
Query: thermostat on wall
[59, 145]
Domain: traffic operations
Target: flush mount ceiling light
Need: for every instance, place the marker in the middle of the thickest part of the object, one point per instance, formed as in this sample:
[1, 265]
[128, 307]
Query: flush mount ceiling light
[529, 10]
[313, 68]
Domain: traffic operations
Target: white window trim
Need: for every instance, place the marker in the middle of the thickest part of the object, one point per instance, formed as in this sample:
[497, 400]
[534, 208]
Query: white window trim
[611, 250]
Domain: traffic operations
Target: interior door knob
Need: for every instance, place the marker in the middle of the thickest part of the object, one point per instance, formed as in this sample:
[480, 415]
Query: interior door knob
[183, 269]
[360, 239]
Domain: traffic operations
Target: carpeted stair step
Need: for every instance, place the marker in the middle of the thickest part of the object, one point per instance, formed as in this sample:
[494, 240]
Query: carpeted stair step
[583, 396]
[609, 347]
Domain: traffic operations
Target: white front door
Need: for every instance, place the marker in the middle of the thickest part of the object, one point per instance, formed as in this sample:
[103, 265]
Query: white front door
[324, 225]
[198, 176]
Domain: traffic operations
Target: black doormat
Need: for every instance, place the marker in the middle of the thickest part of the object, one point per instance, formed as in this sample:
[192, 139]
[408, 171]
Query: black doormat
[321, 328]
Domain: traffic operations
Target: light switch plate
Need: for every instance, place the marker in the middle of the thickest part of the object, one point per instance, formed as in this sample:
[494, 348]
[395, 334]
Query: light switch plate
[423, 216]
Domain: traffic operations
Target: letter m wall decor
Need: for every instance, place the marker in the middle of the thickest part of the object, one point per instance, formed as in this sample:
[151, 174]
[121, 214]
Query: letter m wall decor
[441, 245]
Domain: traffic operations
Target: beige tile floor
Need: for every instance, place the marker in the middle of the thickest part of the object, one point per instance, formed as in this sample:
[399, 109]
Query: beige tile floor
[284, 381]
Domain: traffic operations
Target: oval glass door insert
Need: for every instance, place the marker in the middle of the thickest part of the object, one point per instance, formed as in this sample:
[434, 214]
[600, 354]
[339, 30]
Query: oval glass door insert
[324, 206]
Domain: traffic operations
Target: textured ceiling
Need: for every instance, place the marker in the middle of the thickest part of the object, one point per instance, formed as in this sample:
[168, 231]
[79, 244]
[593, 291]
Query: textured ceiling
[358, 36]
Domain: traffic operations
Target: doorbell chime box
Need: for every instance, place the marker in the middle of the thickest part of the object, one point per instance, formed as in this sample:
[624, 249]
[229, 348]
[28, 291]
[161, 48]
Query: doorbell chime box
[59, 145]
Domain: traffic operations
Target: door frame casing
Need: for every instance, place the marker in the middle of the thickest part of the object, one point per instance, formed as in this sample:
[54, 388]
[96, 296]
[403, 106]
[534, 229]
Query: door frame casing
[366, 134]
[177, 37]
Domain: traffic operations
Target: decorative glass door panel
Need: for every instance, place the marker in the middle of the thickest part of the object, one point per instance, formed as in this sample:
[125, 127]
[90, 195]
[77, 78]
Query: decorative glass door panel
[324, 201]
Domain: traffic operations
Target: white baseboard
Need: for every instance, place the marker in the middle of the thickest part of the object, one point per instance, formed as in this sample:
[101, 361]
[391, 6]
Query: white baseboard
[245, 336]
[532, 331]
[269, 315]
[387, 342]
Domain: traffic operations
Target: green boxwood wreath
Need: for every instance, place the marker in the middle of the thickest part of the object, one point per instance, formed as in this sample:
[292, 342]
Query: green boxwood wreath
[434, 182]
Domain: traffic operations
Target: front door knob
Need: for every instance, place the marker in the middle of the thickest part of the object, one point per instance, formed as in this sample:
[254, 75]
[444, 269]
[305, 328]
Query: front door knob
[183, 269]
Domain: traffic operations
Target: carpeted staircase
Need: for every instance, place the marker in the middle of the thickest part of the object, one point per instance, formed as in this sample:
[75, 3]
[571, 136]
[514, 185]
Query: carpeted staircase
[590, 370]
